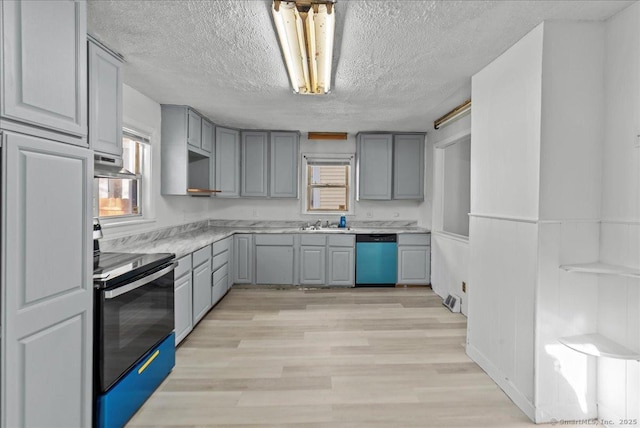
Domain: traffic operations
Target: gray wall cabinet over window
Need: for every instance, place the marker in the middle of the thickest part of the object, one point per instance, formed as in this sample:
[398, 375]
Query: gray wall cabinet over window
[44, 74]
[390, 166]
[105, 101]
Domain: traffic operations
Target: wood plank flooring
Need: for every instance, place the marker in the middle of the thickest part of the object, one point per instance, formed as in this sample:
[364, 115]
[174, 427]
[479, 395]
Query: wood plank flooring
[366, 357]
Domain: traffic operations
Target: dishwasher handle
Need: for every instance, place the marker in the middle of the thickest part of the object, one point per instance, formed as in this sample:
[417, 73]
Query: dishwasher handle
[377, 237]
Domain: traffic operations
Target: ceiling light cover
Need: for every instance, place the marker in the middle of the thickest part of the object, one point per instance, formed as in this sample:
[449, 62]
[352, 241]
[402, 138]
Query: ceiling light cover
[305, 30]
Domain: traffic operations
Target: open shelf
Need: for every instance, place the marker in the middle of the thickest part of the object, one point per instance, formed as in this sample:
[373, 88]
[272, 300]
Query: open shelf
[602, 268]
[599, 346]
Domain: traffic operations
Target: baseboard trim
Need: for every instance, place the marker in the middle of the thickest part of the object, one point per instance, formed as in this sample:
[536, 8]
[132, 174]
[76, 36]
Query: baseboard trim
[498, 377]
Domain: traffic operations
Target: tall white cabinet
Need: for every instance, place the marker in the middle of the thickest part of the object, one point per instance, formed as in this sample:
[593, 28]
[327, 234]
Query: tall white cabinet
[46, 289]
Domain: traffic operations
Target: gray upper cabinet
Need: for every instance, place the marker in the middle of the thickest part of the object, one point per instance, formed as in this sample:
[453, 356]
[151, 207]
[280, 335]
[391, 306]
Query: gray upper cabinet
[374, 155]
[105, 101]
[284, 165]
[44, 78]
[227, 162]
[408, 166]
[194, 129]
[184, 166]
[47, 293]
[207, 136]
[254, 163]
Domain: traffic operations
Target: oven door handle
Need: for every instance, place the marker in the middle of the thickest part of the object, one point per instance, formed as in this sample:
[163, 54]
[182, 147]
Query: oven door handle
[139, 283]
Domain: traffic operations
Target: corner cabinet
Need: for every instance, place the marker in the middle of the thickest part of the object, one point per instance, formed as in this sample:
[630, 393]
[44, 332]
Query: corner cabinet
[227, 162]
[44, 68]
[105, 100]
[186, 167]
[47, 292]
[374, 163]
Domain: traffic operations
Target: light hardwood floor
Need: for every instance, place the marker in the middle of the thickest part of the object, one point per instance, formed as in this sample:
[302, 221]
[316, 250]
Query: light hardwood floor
[386, 357]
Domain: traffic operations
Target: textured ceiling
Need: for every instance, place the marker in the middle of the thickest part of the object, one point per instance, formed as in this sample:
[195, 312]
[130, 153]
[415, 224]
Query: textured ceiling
[398, 65]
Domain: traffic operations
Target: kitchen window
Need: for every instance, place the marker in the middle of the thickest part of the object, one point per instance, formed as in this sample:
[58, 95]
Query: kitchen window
[328, 185]
[121, 197]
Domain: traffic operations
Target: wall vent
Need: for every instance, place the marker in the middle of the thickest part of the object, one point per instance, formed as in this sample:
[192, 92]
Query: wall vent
[452, 302]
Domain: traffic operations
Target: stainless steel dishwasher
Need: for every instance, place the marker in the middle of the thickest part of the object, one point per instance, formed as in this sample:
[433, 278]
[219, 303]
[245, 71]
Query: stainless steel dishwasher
[376, 259]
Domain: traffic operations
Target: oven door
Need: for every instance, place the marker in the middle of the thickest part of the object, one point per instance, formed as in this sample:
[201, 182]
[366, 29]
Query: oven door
[132, 318]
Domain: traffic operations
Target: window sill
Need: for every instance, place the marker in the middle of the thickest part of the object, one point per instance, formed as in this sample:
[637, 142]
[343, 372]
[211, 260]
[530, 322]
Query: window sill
[117, 223]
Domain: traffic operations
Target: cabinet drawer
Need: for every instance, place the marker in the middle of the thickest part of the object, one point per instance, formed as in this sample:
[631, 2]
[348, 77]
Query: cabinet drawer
[342, 240]
[221, 246]
[184, 266]
[274, 239]
[220, 260]
[313, 239]
[201, 256]
[414, 239]
[220, 273]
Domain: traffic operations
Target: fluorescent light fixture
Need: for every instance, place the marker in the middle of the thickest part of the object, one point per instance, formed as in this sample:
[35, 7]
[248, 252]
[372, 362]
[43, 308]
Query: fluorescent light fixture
[305, 29]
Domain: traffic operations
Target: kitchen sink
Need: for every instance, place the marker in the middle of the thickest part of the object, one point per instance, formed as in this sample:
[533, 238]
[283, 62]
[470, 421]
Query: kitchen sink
[326, 229]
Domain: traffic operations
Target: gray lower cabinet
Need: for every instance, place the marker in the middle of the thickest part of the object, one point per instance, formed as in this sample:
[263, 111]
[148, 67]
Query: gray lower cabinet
[374, 156]
[201, 283]
[254, 163]
[44, 75]
[221, 268]
[243, 259]
[414, 259]
[274, 259]
[183, 306]
[408, 166]
[313, 266]
[105, 100]
[47, 293]
[341, 266]
[283, 181]
[227, 162]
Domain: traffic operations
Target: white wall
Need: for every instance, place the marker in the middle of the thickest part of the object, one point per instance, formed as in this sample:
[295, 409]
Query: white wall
[503, 236]
[536, 150]
[449, 253]
[618, 297]
[291, 209]
[141, 113]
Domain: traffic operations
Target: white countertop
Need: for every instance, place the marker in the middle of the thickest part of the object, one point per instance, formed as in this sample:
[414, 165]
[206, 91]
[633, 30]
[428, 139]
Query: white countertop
[188, 242]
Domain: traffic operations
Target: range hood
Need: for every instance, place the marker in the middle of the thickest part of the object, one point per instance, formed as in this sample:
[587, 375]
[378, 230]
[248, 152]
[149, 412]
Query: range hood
[110, 167]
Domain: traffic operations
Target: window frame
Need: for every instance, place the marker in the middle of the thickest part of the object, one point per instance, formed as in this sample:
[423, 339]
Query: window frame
[308, 160]
[143, 183]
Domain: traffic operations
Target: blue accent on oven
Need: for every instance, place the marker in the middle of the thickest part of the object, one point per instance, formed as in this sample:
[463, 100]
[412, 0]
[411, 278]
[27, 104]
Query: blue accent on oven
[116, 406]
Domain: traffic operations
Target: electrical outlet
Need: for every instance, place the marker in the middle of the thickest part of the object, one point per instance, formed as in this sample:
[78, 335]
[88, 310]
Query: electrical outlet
[369, 214]
[464, 287]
